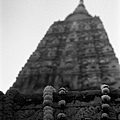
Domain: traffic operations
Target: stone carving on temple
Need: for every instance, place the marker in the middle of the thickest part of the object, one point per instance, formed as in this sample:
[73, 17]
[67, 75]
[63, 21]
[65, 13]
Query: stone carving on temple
[74, 53]
[72, 75]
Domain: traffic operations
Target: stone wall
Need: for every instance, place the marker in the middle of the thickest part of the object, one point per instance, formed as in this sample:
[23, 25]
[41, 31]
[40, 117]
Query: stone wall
[69, 105]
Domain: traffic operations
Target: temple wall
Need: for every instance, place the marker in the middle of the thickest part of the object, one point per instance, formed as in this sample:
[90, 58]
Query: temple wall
[72, 105]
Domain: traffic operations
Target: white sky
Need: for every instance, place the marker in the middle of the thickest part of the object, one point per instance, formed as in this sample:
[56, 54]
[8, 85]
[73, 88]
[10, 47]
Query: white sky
[25, 22]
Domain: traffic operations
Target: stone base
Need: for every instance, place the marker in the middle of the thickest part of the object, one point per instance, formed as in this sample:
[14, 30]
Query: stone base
[85, 105]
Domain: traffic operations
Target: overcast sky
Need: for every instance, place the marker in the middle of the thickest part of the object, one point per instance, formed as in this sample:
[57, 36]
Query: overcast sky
[25, 22]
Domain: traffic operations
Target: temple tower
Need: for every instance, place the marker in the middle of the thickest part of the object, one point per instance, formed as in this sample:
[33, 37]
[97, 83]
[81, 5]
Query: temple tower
[74, 53]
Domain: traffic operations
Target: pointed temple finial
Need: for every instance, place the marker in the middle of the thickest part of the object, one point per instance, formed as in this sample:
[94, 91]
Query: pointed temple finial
[81, 8]
[81, 1]
[79, 13]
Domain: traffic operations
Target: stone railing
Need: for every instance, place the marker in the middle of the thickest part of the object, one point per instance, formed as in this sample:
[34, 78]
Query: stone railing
[99, 104]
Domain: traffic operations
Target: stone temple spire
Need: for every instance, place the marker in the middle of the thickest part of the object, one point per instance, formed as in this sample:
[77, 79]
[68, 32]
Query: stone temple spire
[81, 8]
[79, 13]
[81, 2]
[74, 54]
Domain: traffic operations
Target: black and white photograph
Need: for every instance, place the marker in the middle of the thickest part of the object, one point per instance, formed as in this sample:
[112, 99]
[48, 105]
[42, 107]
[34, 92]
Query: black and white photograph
[60, 60]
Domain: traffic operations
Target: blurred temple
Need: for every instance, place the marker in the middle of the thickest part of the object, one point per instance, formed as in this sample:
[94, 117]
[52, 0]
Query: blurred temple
[74, 53]
[72, 75]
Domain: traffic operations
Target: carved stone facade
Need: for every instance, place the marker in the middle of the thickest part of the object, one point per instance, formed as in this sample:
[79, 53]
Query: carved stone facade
[72, 105]
[74, 53]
